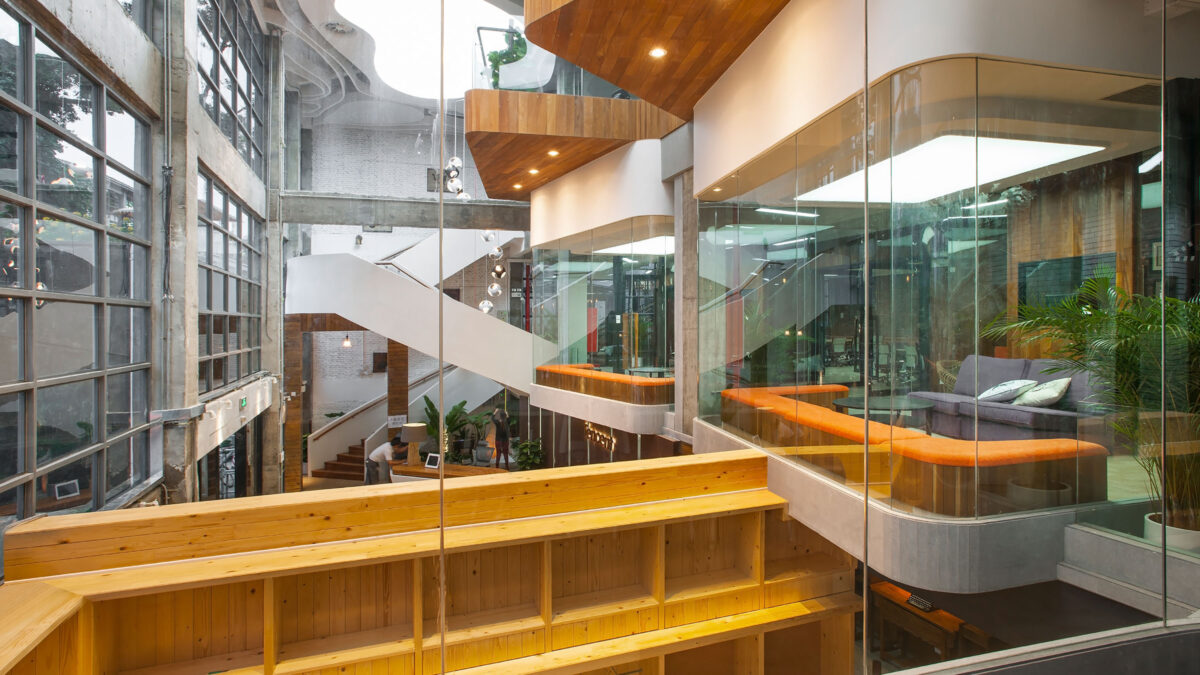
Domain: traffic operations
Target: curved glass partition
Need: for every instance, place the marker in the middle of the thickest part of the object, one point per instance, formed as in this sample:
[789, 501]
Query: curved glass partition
[1003, 250]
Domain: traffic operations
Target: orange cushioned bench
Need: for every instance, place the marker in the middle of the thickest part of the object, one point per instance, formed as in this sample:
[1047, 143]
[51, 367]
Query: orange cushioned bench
[935, 474]
[583, 378]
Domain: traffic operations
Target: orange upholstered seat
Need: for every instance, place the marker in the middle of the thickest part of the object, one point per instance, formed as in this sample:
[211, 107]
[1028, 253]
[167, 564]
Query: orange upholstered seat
[955, 452]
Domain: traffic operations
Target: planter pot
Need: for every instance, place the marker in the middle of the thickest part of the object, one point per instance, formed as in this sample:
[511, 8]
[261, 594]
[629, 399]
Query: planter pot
[1177, 537]
[1028, 498]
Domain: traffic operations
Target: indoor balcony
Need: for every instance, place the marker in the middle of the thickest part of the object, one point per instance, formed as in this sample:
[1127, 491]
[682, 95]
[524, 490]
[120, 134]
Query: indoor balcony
[532, 117]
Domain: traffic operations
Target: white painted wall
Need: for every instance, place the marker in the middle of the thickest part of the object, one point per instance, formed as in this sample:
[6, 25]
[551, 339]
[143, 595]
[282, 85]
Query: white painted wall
[810, 58]
[626, 182]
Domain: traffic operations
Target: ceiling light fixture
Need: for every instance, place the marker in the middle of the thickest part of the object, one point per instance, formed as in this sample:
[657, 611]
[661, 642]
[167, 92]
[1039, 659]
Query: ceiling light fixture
[716, 189]
[662, 245]
[346, 343]
[658, 52]
[533, 172]
[553, 153]
[518, 186]
[945, 165]
[1151, 163]
[783, 212]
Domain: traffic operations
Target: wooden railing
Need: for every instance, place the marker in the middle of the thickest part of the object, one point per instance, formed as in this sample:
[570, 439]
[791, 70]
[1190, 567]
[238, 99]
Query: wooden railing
[655, 559]
[585, 379]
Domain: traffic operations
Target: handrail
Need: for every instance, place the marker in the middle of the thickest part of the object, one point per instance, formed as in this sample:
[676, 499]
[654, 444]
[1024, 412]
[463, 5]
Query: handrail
[715, 302]
[602, 266]
[396, 266]
[348, 416]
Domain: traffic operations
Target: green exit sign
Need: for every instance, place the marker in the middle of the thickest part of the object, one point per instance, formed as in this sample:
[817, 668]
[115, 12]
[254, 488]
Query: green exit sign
[243, 404]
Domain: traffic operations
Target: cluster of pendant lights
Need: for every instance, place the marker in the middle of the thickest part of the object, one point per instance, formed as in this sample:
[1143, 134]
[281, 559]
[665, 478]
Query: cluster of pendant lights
[454, 181]
[494, 289]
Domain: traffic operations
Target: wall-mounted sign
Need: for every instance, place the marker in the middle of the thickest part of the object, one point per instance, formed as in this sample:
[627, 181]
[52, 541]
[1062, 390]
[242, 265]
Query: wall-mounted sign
[376, 228]
[599, 436]
[397, 421]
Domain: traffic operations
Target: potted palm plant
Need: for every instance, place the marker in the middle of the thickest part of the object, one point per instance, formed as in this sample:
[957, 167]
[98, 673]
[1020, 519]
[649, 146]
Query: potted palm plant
[1143, 355]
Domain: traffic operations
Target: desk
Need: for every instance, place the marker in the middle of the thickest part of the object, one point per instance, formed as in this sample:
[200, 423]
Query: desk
[938, 628]
[895, 406]
[400, 468]
[649, 371]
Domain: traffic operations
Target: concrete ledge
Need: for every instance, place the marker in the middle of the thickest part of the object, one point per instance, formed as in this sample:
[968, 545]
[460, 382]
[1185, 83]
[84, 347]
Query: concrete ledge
[320, 208]
[635, 419]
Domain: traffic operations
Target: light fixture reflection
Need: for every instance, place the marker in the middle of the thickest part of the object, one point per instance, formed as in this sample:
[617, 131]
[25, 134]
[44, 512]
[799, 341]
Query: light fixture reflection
[782, 212]
[661, 245]
[945, 165]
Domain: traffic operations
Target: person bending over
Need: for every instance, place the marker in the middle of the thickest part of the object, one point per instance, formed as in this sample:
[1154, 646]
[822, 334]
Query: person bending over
[376, 469]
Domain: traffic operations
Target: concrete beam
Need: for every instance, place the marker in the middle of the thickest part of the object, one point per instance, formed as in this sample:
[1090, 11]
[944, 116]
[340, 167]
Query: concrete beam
[317, 208]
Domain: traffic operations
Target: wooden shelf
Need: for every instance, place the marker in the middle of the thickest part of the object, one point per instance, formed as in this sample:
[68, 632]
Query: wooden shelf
[787, 569]
[242, 663]
[588, 605]
[709, 583]
[309, 655]
[479, 625]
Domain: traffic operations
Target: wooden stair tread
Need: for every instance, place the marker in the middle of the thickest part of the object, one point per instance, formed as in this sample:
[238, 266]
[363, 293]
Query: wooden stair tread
[161, 577]
[709, 583]
[342, 475]
[237, 663]
[337, 650]
[801, 566]
[470, 627]
[597, 656]
[599, 603]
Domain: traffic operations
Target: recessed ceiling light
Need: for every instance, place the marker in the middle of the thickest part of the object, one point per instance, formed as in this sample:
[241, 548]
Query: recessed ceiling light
[518, 186]
[716, 189]
[533, 172]
[553, 153]
[658, 52]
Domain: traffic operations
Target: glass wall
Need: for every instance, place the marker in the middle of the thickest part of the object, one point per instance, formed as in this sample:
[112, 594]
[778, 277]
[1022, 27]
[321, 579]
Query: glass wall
[75, 313]
[230, 61]
[230, 243]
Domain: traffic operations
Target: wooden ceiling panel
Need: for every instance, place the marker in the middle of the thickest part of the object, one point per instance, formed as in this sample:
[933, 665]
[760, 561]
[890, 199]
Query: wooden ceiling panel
[613, 38]
[511, 133]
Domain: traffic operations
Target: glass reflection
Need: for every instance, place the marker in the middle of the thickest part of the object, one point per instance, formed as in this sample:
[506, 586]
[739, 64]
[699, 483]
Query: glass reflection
[11, 167]
[126, 207]
[126, 138]
[65, 175]
[11, 440]
[66, 256]
[66, 418]
[66, 338]
[11, 54]
[12, 339]
[67, 489]
[11, 254]
[64, 94]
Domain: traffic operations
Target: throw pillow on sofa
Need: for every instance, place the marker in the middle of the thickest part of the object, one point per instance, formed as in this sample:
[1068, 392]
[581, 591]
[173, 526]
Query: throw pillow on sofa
[1007, 391]
[1045, 394]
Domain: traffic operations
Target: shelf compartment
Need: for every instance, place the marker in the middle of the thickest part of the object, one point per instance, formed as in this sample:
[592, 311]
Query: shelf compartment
[346, 601]
[389, 645]
[603, 615]
[238, 663]
[713, 568]
[197, 630]
[492, 610]
[800, 564]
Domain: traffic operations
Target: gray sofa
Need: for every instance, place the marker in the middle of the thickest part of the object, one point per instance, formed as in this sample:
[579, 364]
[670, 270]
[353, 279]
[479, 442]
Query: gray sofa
[954, 414]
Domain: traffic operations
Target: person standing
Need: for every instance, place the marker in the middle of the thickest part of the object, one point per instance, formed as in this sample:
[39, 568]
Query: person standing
[376, 469]
[500, 422]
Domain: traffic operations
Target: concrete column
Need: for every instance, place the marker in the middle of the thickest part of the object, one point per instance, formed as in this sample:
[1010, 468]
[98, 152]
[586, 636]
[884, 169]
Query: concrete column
[180, 353]
[687, 307]
[274, 461]
[291, 442]
[291, 140]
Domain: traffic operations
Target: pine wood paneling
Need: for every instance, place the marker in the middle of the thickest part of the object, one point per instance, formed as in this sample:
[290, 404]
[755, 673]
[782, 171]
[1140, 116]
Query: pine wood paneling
[512, 132]
[613, 38]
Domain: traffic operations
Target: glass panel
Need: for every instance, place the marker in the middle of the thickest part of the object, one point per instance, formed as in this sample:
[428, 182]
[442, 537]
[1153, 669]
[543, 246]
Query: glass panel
[203, 385]
[65, 333]
[12, 339]
[233, 367]
[218, 373]
[232, 341]
[218, 206]
[12, 424]
[66, 490]
[65, 175]
[141, 456]
[118, 469]
[8, 506]
[218, 249]
[126, 203]
[126, 138]
[208, 14]
[66, 257]
[66, 417]
[11, 253]
[202, 196]
[218, 292]
[202, 278]
[64, 94]
[11, 55]
[126, 401]
[218, 334]
[127, 335]
[11, 150]
[203, 324]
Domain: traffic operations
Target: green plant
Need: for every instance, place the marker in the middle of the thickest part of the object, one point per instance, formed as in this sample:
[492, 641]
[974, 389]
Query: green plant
[515, 50]
[456, 421]
[334, 415]
[529, 455]
[1143, 356]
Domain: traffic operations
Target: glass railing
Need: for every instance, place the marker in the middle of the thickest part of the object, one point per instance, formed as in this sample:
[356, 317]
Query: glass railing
[504, 59]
